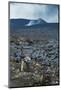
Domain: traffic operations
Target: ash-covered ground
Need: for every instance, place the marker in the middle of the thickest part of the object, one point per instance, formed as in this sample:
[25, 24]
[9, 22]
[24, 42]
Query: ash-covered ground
[33, 62]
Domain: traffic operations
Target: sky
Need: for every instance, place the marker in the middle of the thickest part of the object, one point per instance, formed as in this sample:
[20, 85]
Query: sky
[49, 13]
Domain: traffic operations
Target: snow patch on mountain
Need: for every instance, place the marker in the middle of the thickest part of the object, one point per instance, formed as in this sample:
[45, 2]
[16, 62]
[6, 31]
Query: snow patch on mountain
[36, 22]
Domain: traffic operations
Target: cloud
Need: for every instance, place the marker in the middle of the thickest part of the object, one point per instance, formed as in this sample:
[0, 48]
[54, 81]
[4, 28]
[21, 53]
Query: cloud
[34, 11]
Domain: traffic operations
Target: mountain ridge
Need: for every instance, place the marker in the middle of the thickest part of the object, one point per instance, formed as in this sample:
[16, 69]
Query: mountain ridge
[27, 23]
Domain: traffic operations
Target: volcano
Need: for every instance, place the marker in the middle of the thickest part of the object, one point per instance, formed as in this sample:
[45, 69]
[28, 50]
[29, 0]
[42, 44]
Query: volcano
[36, 22]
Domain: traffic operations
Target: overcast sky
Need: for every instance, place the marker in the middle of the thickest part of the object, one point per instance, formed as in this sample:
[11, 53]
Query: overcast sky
[34, 11]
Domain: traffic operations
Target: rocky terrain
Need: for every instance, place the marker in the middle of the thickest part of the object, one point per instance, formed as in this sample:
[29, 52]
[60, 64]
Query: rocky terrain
[33, 62]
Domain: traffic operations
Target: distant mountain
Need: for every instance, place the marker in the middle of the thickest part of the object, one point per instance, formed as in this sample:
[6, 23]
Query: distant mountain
[36, 22]
[19, 23]
[32, 28]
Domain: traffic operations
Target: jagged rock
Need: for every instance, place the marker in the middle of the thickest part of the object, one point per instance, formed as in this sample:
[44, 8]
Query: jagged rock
[40, 63]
